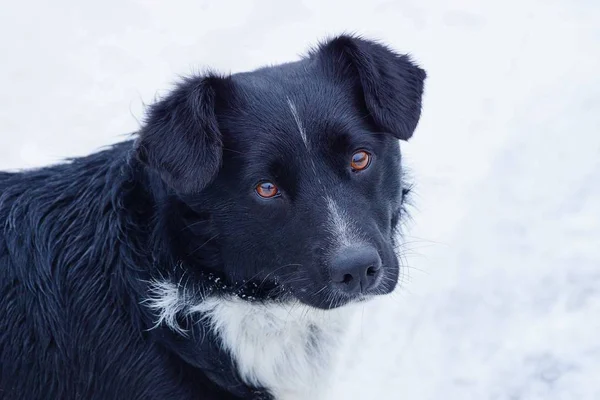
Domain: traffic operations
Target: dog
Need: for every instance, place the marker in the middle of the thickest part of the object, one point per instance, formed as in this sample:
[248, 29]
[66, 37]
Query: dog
[219, 252]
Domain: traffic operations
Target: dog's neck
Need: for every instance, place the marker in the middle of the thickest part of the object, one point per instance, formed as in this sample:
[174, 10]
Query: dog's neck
[287, 348]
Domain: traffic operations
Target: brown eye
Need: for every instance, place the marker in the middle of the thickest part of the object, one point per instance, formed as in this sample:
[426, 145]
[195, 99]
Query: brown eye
[267, 190]
[360, 160]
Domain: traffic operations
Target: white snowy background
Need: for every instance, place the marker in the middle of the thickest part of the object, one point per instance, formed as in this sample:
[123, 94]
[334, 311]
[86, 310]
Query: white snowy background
[501, 299]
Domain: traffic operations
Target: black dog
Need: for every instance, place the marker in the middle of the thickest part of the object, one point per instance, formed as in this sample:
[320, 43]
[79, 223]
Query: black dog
[218, 255]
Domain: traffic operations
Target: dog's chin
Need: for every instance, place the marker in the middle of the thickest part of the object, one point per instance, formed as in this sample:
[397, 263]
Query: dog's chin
[334, 299]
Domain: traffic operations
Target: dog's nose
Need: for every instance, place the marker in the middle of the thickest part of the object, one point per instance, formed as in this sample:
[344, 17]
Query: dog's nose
[355, 269]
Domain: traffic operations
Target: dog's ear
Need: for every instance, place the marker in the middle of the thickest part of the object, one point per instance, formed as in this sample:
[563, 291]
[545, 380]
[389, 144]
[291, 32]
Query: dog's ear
[390, 83]
[181, 139]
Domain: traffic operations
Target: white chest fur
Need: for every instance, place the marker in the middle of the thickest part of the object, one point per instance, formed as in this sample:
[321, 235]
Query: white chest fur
[289, 349]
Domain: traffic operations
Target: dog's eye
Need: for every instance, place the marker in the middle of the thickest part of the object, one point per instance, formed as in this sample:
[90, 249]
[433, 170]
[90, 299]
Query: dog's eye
[360, 160]
[267, 190]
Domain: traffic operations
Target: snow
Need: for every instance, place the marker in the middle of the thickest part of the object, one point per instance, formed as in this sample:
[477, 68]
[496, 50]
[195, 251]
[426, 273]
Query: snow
[502, 296]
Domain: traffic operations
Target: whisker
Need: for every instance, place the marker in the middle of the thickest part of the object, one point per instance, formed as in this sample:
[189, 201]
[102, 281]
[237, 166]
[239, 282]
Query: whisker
[320, 290]
[277, 269]
[193, 224]
[204, 244]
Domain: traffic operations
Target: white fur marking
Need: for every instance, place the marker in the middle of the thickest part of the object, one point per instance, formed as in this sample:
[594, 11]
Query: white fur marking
[167, 302]
[294, 111]
[289, 349]
[340, 226]
[302, 131]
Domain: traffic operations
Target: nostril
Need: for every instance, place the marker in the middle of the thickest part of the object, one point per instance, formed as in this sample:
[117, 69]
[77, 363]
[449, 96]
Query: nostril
[355, 269]
[347, 279]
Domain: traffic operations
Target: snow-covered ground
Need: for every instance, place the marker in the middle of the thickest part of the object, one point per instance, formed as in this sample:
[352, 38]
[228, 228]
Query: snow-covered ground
[501, 295]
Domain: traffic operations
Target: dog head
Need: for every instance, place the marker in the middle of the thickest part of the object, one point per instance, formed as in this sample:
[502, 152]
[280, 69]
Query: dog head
[289, 178]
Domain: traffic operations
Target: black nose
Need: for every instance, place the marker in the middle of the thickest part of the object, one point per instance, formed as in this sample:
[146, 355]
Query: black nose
[355, 269]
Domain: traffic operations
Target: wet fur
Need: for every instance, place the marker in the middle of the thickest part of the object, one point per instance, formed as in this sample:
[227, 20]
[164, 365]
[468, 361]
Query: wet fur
[130, 273]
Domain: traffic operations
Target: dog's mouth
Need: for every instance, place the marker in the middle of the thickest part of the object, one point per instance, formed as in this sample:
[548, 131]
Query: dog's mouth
[324, 294]
[260, 291]
[328, 296]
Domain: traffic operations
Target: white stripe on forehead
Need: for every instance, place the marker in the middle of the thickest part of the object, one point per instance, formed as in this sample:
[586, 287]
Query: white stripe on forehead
[294, 111]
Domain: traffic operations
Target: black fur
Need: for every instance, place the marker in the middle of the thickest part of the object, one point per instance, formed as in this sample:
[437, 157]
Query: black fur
[80, 242]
